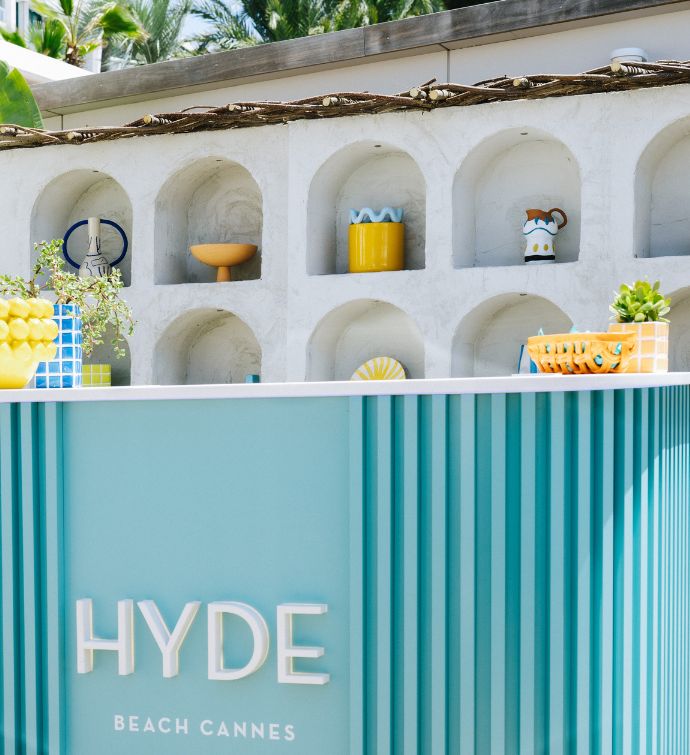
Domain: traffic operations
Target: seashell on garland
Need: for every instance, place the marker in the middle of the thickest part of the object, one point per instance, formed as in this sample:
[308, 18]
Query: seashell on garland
[367, 215]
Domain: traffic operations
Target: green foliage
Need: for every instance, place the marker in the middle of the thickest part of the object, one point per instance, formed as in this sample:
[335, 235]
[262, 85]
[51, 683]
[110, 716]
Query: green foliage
[89, 24]
[17, 104]
[256, 21]
[13, 36]
[162, 21]
[48, 38]
[98, 298]
[640, 302]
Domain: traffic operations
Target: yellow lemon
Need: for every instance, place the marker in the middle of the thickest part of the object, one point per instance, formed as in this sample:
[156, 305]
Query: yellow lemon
[19, 308]
[19, 329]
[4, 309]
[4, 330]
[50, 330]
[35, 329]
[36, 308]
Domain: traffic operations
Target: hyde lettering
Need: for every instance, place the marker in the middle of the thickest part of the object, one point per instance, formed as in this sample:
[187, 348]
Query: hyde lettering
[170, 641]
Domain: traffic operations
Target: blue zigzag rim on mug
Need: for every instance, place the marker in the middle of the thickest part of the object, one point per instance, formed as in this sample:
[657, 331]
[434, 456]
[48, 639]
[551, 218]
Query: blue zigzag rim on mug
[367, 215]
[79, 223]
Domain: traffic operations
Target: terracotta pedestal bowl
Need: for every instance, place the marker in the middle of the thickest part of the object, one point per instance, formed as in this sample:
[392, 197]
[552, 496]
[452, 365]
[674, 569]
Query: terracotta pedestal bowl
[223, 256]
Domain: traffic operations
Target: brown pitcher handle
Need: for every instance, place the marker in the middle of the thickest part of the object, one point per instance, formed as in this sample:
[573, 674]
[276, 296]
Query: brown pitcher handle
[565, 217]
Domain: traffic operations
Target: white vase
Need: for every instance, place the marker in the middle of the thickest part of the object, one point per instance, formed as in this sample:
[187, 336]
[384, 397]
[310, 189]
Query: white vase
[95, 263]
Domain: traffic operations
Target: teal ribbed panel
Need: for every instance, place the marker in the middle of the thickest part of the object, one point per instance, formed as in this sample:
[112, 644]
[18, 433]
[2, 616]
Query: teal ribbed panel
[518, 574]
[31, 538]
[526, 583]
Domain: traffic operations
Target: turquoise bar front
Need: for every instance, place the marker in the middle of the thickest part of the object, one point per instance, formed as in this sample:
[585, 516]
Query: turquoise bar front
[472, 573]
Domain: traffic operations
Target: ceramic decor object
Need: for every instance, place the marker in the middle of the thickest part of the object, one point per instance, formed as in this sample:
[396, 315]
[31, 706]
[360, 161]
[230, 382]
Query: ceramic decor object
[380, 368]
[64, 370]
[95, 263]
[27, 333]
[96, 375]
[223, 256]
[367, 215]
[652, 345]
[540, 231]
[582, 353]
[376, 240]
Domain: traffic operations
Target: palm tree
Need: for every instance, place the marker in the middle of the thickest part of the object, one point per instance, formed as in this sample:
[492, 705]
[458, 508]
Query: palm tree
[259, 21]
[162, 21]
[47, 37]
[88, 25]
[366, 12]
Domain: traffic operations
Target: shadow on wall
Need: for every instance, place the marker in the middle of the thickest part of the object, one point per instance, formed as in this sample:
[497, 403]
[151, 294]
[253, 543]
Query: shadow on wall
[366, 174]
[503, 177]
[361, 330]
[121, 369]
[206, 346]
[487, 341]
[662, 185]
[77, 196]
[679, 333]
[212, 201]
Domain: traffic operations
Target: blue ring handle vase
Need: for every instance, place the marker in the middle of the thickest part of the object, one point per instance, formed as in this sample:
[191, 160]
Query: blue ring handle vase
[113, 224]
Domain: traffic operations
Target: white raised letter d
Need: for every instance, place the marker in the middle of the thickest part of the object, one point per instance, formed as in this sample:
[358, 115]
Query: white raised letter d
[87, 643]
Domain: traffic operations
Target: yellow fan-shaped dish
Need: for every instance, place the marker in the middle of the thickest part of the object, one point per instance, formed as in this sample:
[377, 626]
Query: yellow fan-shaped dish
[380, 368]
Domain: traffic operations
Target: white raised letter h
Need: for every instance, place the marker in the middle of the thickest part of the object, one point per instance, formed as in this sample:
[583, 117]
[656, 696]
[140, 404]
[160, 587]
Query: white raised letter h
[123, 645]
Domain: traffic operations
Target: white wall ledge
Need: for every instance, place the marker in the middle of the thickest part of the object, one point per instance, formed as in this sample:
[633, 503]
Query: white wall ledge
[449, 386]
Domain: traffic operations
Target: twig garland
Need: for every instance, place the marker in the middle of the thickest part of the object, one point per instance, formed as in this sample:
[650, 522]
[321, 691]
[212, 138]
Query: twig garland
[428, 96]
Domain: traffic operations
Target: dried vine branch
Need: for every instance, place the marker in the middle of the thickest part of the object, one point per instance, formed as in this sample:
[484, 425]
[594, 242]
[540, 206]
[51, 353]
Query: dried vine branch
[427, 96]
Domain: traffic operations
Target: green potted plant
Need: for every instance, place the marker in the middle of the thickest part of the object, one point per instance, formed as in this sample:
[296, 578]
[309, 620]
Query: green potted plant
[85, 307]
[641, 308]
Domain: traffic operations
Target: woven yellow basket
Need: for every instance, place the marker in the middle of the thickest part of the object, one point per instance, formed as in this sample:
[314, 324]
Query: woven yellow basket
[582, 353]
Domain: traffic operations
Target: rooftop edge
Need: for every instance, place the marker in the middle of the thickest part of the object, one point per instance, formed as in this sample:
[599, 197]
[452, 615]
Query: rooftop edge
[445, 30]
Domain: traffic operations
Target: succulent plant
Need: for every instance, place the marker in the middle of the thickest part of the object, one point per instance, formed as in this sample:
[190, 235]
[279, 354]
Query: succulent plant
[640, 302]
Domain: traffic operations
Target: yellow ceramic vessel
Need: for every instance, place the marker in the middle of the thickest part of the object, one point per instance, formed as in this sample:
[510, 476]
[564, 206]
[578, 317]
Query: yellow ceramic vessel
[223, 256]
[376, 247]
[27, 332]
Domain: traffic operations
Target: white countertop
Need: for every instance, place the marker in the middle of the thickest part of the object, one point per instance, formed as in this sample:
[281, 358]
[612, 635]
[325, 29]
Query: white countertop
[452, 386]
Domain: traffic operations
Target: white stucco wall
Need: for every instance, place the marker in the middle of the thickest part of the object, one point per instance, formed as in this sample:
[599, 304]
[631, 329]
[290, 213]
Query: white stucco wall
[616, 163]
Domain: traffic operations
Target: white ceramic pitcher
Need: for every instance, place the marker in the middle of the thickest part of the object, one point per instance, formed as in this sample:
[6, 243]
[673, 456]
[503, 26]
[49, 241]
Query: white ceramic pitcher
[540, 231]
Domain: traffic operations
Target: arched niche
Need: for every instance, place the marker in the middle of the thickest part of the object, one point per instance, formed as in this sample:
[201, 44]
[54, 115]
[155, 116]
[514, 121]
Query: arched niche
[662, 188]
[76, 196]
[507, 174]
[361, 330]
[487, 341]
[365, 174]
[206, 346]
[120, 369]
[211, 201]
[679, 331]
